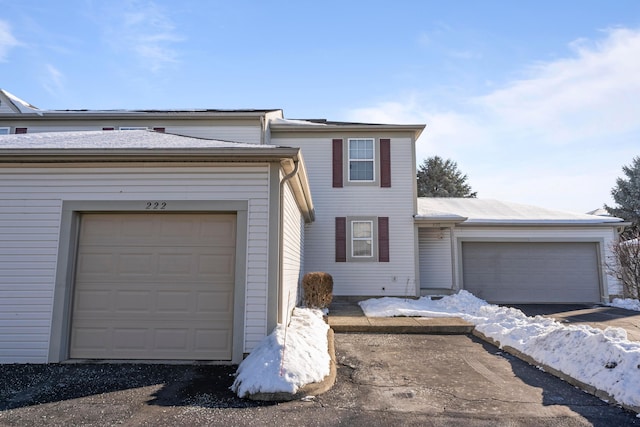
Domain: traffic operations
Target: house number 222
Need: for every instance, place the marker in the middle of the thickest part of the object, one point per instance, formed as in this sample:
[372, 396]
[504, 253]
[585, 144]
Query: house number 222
[156, 205]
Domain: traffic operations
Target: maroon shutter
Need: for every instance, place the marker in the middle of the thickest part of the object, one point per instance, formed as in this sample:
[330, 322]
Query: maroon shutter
[341, 239]
[21, 130]
[385, 162]
[160, 130]
[337, 163]
[108, 129]
[383, 239]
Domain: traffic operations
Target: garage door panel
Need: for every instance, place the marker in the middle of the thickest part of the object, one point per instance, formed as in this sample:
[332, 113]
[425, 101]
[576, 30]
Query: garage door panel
[532, 272]
[168, 295]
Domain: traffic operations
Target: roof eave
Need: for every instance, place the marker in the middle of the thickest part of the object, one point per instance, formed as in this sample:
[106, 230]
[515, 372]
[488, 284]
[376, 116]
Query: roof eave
[300, 186]
[284, 128]
[539, 223]
[148, 154]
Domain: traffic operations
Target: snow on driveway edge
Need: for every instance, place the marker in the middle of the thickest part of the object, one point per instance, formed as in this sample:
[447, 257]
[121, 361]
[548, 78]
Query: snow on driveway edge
[603, 363]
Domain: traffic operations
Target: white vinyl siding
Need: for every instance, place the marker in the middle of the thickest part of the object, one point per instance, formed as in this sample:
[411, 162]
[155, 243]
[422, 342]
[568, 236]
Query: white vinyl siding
[5, 108]
[292, 256]
[31, 201]
[396, 277]
[436, 268]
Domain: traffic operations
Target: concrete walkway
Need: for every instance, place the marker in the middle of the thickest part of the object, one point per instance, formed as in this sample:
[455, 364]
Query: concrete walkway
[345, 315]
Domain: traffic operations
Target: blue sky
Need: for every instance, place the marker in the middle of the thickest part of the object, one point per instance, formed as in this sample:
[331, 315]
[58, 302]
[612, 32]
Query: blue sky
[537, 101]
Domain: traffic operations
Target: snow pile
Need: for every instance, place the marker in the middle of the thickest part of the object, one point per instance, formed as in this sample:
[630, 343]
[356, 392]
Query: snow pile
[305, 354]
[627, 303]
[603, 359]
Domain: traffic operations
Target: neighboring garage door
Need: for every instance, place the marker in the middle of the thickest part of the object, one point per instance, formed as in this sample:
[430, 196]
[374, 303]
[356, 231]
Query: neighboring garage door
[531, 272]
[154, 286]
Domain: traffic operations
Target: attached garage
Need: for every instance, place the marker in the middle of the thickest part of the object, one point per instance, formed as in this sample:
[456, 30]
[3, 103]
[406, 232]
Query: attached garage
[139, 245]
[154, 286]
[538, 272]
[512, 253]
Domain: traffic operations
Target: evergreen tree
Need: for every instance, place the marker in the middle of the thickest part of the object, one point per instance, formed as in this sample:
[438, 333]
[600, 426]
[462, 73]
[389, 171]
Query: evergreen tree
[626, 194]
[441, 178]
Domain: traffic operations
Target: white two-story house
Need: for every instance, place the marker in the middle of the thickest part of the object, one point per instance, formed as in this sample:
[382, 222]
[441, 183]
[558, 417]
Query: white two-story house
[184, 234]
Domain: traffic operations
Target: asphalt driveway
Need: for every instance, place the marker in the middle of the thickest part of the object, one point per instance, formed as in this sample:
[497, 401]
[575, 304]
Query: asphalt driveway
[383, 379]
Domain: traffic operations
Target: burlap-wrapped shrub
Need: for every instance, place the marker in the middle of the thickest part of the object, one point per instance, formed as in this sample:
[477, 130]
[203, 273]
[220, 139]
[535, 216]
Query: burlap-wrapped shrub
[318, 289]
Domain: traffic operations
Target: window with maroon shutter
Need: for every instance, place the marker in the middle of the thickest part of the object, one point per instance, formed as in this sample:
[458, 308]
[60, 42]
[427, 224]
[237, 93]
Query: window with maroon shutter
[108, 128]
[160, 130]
[383, 239]
[385, 162]
[337, 163]
[21, 130]
[341, 239]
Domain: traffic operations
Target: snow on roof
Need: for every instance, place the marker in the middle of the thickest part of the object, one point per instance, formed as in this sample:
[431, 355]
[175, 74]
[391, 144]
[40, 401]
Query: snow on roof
[599, 212]
[22, 106]
[487, 211]
[115, 139]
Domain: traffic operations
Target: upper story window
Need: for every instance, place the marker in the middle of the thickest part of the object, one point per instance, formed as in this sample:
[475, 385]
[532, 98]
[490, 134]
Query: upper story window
[361, 160]
[5, 131]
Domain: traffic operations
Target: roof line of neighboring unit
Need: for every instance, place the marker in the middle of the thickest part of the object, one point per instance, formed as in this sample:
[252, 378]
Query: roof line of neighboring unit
[20, 105]
[172, 110]
[124, 114]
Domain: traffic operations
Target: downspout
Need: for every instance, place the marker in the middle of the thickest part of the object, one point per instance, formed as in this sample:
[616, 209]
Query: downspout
[283, 181]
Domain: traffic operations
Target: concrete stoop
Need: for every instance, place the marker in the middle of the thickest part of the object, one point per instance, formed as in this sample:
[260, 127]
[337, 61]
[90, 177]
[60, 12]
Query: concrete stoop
[574, 382]
[400, 325]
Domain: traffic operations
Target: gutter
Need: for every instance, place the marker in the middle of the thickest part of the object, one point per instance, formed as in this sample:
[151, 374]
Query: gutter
[296, 177]
[283, 182]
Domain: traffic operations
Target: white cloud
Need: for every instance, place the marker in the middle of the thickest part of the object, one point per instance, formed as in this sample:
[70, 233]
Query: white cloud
[557, 136]
[7, 40]
[53, 80]
[145, 30]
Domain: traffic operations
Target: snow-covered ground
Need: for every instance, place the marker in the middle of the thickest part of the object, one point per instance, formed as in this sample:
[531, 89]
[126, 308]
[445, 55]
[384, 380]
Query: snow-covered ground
[288, 358]
[603, 359]
[628, 303]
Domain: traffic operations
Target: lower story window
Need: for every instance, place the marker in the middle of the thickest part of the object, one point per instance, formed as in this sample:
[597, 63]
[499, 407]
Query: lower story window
[361, 239]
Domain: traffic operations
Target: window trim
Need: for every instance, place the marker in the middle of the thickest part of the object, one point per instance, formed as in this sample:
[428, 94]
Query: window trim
[355, 238]
[376, 164]
[373, 220]
[374, 161]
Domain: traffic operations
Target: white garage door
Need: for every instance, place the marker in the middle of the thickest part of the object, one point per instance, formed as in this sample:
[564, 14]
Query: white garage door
[154, 286]
[532, 272]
